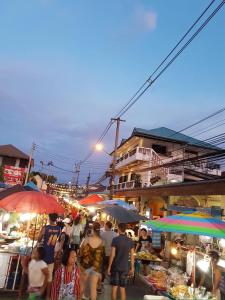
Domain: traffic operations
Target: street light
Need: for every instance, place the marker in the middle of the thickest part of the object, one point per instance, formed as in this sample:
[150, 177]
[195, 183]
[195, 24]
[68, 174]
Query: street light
[99, 147]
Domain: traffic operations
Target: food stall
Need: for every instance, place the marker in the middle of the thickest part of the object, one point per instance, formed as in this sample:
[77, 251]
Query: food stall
[173, 281]
[22, 216]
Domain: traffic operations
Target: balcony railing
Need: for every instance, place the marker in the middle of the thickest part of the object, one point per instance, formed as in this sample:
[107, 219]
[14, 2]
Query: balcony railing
[138, 153]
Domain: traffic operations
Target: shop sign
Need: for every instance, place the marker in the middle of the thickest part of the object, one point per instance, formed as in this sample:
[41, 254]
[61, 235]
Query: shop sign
[13, 175]
[156, 239]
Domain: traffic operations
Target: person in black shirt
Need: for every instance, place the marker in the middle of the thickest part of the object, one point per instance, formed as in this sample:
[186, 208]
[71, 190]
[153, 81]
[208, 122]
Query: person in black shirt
[118, 269]
[144, 244]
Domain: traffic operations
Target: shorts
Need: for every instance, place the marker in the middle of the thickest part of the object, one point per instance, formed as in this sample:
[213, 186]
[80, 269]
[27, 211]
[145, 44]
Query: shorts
[91, 271]
[75, 240]
[50, 272]
[118, 278]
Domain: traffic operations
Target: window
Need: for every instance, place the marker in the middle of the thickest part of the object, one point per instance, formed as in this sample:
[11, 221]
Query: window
[132, 177]
[159, 149]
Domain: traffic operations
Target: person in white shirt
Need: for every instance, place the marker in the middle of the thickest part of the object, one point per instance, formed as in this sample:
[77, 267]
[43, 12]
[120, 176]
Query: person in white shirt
[107, 236]
[77, 230]
[37, 274]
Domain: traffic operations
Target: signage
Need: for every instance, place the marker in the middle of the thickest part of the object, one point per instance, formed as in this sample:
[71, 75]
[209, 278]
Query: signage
[156, 239]
[13, 175]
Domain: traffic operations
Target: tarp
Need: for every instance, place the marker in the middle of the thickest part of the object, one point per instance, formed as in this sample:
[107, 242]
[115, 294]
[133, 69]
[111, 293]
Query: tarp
[91, 200]
[30, 185]
[193, 223]
[119, 202]
[122, 215]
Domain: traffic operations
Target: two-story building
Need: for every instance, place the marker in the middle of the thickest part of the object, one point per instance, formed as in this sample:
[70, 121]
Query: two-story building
[139, 158]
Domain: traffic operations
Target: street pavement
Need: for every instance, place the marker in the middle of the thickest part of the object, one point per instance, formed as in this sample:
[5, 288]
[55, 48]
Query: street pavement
[135, 291]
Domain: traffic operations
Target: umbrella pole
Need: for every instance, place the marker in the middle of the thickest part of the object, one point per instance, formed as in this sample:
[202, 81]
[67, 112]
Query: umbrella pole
[35, 229]
[194, 268]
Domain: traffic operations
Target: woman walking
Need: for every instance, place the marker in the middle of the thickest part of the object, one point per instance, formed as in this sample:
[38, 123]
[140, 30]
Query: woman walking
[91, 254]
[66, 283]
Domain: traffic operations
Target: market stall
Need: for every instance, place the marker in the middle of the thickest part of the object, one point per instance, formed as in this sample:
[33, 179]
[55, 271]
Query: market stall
[179, 281]
[22, 216]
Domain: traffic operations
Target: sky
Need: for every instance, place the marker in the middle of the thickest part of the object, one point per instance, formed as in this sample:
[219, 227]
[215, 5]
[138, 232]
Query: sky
[66, 68]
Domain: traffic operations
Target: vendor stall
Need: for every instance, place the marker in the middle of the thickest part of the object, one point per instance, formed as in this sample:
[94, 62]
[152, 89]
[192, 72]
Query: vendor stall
[23, 214]
[179, 282]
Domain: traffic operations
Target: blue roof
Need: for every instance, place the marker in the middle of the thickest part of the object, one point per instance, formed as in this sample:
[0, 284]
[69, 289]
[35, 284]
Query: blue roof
[172, 135]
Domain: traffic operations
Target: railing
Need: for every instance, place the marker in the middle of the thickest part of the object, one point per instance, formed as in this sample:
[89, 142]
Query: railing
[138, 153]
[125, 185]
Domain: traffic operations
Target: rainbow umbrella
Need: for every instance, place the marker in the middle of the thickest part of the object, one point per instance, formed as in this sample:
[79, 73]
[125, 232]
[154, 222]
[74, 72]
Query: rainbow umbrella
[193, 223]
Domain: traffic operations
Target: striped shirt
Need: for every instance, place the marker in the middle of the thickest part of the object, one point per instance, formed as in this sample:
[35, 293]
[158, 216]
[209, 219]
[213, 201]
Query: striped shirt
[67, 279]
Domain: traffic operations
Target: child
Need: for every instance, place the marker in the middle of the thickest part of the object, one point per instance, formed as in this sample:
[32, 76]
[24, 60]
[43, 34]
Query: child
[66, 282]
[37, 274]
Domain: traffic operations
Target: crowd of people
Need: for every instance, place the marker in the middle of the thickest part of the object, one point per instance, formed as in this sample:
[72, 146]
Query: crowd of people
[73, 258]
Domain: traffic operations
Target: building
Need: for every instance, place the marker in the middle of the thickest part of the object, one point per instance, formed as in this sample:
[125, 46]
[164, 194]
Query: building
[12, 156]
[140, 156]
[14, 164]
[148, 148]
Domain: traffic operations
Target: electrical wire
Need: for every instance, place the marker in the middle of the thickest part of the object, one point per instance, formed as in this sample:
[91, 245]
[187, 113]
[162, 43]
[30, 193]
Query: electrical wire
[137, 96]
[166, 58]
[175, 56]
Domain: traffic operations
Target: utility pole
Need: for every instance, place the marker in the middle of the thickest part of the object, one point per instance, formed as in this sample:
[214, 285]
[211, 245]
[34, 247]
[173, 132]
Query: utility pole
[112, 179]
[77, 166]
[29, 163]
[87, 183]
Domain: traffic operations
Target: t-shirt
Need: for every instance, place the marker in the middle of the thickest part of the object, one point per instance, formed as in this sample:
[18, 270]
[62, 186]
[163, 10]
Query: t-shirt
[77, 229]
[51, 235]
[122, 245]
[107, 237]
[144, 243]
[35, 274]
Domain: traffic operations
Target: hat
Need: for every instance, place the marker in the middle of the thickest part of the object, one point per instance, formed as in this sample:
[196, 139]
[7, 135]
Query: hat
[67, 221]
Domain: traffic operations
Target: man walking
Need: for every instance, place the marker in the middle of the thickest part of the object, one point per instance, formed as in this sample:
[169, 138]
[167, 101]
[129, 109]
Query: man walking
[122, 248]
[48, 237]
[107, 236]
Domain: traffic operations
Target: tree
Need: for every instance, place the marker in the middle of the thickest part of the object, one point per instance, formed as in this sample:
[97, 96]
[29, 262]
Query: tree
[51, 179]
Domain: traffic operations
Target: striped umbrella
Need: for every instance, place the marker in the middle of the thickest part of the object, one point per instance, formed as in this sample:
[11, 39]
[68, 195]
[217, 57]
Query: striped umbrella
[194, 223]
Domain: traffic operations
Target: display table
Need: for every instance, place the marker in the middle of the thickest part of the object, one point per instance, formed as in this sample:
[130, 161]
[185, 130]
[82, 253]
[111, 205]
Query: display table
[10, 268]
[155, 290]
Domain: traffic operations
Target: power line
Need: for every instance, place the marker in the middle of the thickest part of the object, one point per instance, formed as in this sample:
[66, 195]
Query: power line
[166, 58]
[150, 81]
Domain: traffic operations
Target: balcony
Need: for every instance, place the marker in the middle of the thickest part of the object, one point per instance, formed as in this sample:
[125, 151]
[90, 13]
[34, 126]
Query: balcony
[137, 154]
[127, 185]
[204, 167]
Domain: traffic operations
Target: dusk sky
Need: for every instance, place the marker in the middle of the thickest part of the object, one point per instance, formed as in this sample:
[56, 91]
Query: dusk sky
[66, 68]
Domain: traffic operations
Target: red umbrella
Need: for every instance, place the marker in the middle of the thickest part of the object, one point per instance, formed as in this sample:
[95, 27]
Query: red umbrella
[31, 202]
[91, 200]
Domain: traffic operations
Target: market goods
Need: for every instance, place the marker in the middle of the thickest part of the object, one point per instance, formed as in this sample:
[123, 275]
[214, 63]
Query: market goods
[180, 291]
[147, 256]
[159, 279]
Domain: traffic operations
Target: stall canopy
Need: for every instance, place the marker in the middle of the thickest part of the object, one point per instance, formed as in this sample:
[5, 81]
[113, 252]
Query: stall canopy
[122, 215]
[16, 189]
[31, 202]
[193, 223]
[91, 200]
[119, 203]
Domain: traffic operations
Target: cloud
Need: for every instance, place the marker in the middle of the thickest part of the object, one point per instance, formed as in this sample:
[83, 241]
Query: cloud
[146, 19]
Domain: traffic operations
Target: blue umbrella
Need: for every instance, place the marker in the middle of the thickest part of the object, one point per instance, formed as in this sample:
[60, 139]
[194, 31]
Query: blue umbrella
[119, 203]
